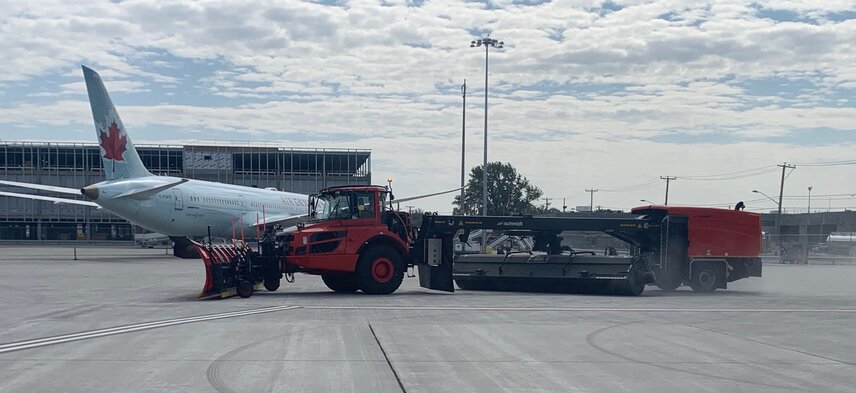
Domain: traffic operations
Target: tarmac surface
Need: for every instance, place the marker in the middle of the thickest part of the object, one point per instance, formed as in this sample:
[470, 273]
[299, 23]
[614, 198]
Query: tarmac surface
[127, 320]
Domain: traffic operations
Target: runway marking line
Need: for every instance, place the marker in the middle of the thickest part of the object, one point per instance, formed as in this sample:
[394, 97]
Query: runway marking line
[41, 342]
[583, 309]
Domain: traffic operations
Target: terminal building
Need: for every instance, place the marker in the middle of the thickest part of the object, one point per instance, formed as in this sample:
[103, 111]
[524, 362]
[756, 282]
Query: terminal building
[832, 231]
[74, 165]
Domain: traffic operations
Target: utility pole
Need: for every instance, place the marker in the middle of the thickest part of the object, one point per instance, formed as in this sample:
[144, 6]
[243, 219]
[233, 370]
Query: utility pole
[564, 204]
[546, 204]
[668, 179]
[784, 166]
[463, 144]
[591, 200]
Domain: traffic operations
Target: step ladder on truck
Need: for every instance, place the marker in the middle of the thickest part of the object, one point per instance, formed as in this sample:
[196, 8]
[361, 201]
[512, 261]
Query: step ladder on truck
[356, 241]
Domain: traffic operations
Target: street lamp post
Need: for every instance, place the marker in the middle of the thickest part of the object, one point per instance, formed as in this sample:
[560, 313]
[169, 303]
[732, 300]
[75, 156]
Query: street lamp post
[807, 226]
[487, 42]
[778, 220]
[646, 201]
[463, 143]
[809, 199]
[591, 191]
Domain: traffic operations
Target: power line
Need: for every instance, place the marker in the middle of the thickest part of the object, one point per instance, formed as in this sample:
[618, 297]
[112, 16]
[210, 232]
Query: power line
[843, 196]
[636, 187]
[828, 163]
[741, 174]
[789, 172]
[731, 176]
[765, 167]
[724, 204]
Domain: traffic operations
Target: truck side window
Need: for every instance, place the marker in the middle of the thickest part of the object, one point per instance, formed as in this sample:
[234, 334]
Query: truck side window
[365, 205]
[383, 197]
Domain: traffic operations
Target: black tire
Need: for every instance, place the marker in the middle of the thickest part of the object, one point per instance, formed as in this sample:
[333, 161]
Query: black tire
[667, 280]
[380, 270]
[272, 283]
[343, 283]
[633, 286]
[706, 278]
[245, 289]
[669, 286]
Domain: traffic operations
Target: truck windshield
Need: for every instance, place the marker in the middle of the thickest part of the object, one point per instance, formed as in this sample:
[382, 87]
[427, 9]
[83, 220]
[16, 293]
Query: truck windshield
[335, 207]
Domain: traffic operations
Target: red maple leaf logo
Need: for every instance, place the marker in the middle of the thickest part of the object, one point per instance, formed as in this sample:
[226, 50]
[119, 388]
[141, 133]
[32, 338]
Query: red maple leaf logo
[113, 144]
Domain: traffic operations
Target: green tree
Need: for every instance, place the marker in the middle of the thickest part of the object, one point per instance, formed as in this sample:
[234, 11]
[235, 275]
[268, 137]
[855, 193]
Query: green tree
[508, 192]
[416, 216]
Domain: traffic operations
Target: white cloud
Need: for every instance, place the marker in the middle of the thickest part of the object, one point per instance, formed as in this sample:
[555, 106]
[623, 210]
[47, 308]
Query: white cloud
[573, 79]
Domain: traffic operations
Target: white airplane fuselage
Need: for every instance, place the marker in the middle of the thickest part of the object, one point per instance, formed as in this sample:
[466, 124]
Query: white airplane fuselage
[189, 208]
[172, 206]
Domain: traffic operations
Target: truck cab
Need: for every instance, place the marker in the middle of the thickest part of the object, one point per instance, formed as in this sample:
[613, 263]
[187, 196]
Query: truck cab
[361, 206]
[349, 205]
[354, 240]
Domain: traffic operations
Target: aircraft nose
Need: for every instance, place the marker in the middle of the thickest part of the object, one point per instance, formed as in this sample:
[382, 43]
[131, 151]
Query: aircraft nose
[90, 192]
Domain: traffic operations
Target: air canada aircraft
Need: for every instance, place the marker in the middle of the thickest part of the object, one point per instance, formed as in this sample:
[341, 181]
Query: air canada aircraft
[177, 207]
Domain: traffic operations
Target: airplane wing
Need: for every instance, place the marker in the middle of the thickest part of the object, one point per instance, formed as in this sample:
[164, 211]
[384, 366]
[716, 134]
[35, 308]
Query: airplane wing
[286, 220]
[50, 199]
[62, 190]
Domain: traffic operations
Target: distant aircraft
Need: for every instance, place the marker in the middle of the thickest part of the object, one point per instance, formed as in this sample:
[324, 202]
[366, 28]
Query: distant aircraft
[176, 207]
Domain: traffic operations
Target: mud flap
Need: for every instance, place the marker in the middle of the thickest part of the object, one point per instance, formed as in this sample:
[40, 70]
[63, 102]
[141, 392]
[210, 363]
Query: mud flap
[436, 270]
[437, 277]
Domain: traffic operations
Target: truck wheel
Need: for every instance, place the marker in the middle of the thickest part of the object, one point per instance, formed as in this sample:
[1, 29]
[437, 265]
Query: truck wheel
[633, 286]
[705, 278]
[669, 279]
[271, 284]
[245, 289]
[380, 270]
[345, 283]
[667, 283]
[637, 286]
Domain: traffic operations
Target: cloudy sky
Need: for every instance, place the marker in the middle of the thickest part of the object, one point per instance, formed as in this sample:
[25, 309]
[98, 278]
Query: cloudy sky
[585, 94]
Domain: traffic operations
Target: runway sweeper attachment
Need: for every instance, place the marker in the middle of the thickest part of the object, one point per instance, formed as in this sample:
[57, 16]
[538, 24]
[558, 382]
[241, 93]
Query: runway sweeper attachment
[702, 247]
[563, 273]
[230, 269]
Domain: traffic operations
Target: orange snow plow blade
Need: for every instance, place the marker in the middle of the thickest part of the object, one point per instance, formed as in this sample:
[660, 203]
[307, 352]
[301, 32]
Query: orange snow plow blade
[221, 268]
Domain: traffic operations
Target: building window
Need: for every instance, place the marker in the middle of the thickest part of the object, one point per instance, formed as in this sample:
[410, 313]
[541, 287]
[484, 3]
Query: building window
[162, 160]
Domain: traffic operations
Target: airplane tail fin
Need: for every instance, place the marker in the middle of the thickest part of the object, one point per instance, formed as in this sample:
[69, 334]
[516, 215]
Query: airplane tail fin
[118, 155]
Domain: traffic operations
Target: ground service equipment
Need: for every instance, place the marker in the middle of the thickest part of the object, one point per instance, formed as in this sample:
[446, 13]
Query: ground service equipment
[702, 247]
[355, 241]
